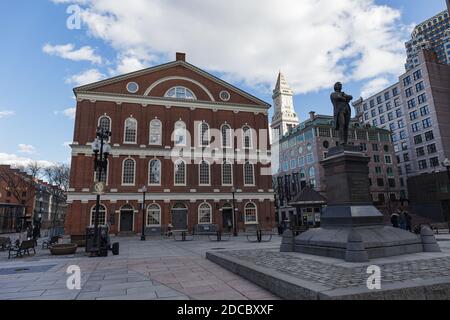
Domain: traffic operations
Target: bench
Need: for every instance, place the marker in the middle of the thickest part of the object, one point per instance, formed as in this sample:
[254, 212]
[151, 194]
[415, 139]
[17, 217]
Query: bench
[205, 229]
[49, 242]
[255, 234]
[182, 235]
[219, 236]
[440, 227]
[5, 243]
[23, 248]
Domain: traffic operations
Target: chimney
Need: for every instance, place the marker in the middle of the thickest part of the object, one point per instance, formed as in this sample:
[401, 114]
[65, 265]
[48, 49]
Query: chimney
[180, 56]
[312, 115]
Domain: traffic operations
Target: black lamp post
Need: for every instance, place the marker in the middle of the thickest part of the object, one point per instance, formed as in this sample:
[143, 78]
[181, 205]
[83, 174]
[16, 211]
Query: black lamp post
[101, 150]
[144, 191]
[235, 233]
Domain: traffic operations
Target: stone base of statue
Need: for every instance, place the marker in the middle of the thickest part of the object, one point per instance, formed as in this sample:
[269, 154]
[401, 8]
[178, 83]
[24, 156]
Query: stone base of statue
[351, 227]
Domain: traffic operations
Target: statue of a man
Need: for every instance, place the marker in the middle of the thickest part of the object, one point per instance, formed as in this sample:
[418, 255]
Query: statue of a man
[342, 112]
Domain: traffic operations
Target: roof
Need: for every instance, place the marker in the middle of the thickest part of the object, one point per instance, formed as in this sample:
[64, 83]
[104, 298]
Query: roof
[308, 196]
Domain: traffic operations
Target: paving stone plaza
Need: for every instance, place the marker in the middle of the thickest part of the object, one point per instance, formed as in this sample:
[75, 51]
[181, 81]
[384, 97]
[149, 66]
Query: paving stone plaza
[154, 269]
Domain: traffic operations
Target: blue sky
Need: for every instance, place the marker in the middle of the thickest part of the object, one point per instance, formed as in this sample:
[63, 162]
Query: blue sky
[36, 86]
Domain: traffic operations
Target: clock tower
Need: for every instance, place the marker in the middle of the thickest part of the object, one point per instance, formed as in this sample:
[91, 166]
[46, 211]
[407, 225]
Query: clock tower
[284, 118]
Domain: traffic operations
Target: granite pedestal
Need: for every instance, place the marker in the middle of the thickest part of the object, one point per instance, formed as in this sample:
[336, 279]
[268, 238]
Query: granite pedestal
[351, 227]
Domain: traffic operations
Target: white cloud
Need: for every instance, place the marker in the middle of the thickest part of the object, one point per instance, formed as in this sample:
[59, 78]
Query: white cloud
[374, 86]
[85, 77]
[68, 51]
[67, 144]
[6, 113]
[315, 42]
[12, 159]
[69, 113]
[26, 148]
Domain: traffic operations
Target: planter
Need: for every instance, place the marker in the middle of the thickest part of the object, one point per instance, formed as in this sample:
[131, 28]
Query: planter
[63, 249]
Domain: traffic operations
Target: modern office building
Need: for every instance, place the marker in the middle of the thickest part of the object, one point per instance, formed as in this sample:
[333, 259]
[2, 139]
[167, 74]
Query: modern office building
[176, 130]
[303, 149]
[431, 34]
[417, 112]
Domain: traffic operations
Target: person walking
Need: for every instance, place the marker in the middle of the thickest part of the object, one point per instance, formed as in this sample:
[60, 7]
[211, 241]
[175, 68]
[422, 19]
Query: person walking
[395, 219]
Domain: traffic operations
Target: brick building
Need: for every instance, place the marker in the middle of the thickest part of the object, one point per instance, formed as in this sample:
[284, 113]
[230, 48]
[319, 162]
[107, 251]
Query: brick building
[176, 129]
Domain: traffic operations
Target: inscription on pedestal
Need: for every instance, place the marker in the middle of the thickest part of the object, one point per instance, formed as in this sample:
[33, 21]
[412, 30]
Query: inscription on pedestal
[358, 189]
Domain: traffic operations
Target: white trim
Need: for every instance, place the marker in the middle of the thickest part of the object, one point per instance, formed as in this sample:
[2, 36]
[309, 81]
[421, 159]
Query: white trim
[200, 134]
[92, 209]
[125, 131]
[209, 174]
[174, 173]
[146, 217]
[160, 172]
[134, 173]
[243, 137]
[231, 136]
[232, 171]
[156, 83]
[210, 213]
[254, 178]
[120, 217]
[150, 133]
[175, 132]
[132, 82]
[123, 98]
[256, 214]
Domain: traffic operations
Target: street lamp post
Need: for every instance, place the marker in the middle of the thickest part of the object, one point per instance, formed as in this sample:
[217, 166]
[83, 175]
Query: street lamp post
[235, 233]
[144, 190]
[101, 150]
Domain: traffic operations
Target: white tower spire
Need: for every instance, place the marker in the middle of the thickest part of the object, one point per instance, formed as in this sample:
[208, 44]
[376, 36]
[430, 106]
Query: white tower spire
[284, 118]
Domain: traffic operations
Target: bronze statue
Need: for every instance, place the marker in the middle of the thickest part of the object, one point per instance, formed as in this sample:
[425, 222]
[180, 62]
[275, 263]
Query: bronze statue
[342, 112]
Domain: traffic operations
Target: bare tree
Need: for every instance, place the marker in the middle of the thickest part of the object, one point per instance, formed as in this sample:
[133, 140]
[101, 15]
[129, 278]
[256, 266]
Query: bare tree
[58, 176]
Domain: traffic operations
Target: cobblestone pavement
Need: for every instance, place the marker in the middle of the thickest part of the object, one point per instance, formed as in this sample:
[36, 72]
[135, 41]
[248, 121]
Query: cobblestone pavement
[154, 269]
[334, 275]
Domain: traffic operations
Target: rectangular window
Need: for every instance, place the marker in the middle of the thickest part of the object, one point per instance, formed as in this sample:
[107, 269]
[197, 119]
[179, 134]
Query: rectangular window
[418, 139]
[429, 136]
[404, 146]
[391, 183]
[374, 147]
[411, 103]
[363, 146]
[417, 75]
[409, 92]
[407, 81]
[434, 162]
[431, 148]
[424, 111]
[388, 159]
[420, 151]
[380, 109]
[413, 115]
[401, 124]
[387, 96]
[415, 127]
[426, 123]
[380, 182]
[373, 113]
[422, 164]
[397, 102]
[310, 158]
[420, 87]
[366, 116]
[395, 91]
[406, 157]
[379, 100]
[392, 126]
[375, 122]
[376, 158]
[422, 98]
[372, 103]
[378, 170]
[382, 120]
[390, 116]
[389, 171]
[293, 164]
[398, 113]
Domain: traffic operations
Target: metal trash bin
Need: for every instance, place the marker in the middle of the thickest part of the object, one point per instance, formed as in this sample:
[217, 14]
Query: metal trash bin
[115, 248]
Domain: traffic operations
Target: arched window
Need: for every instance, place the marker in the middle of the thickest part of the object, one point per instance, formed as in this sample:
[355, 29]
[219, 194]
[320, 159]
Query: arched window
[180, 133]
[227, 174]
[104, 177]
[180, 173]
[204, 214]
[226, 136]
[204, 138]
[154, 172]
[250, 213]
[101, 215]
[204, 173]
[155, 132]
[180, 93]
[128, 172]
[249, 174]
[153, 215]
[247, 137]
[130, 131]
[104, 122]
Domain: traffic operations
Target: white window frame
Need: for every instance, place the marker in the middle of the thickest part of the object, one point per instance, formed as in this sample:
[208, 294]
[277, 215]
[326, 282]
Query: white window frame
[150, 133]
[147, 217]
[250, 137]
[200, 174]
[232, 168]
[160, 172]
[92, 214]
[179, 87]
[125, 131]
[200, 134]
[204, 204]
[245, 213]
[253, 169]
[107, 173]
[123, 172]
[175, 134]
[175, 173]
[229, 135]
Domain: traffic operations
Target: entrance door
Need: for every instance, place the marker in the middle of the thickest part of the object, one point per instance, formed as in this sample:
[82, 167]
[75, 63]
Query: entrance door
[179, 217]
[126, 219]
[227, 219]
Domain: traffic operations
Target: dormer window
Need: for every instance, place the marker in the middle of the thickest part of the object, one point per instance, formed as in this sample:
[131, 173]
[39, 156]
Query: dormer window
[180, 93]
